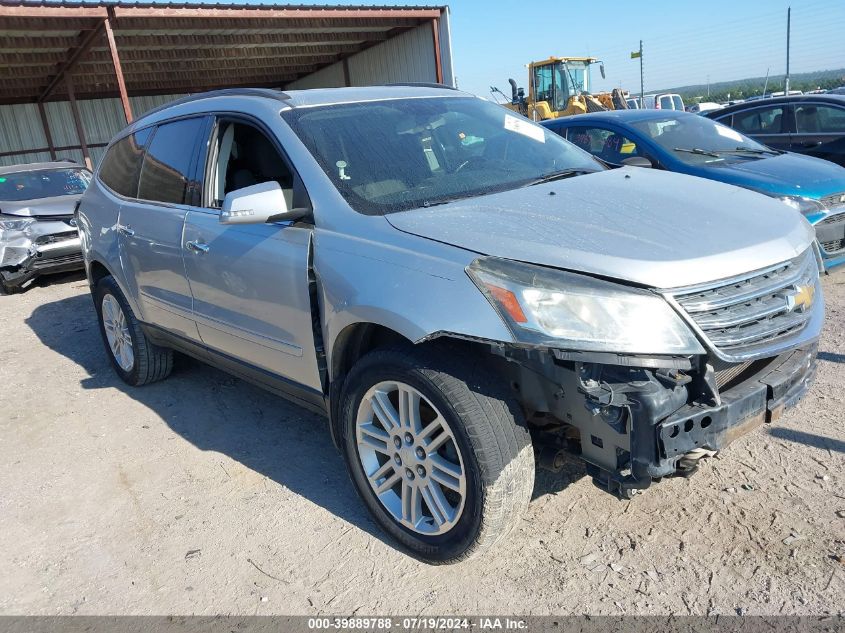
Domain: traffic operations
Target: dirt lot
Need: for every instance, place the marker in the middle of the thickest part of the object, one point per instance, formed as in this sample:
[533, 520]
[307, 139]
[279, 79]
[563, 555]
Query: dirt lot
[203, 494]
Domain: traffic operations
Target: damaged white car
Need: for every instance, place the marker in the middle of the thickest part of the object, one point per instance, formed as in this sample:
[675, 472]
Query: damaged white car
[38, 232]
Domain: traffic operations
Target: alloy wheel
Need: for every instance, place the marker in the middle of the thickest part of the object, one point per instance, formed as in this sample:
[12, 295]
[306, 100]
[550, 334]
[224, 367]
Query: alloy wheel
[117, 333]
[410, 458]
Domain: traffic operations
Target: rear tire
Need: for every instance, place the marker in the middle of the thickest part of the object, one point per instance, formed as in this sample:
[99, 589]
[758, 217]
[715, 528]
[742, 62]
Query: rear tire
[488, 452]
[134, 357]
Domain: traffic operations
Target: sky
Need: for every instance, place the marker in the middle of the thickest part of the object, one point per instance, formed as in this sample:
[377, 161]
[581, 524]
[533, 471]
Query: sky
[685, 42]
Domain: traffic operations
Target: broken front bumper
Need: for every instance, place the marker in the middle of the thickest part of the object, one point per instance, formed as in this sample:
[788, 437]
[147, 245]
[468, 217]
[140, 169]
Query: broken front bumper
[761, 398]
[45, 247]
[658, 444]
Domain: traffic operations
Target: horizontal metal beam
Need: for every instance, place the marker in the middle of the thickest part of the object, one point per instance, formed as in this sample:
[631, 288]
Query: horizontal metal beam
[302, 54]
[199, 54]
[186, 41]
[20, 27]
[188, 24]
[187, 79]
[177, 82]
[94, 73]
[39, 150]
[245, 67]
[8, 97]
[46, 11]
[260, 32]
[273, 13]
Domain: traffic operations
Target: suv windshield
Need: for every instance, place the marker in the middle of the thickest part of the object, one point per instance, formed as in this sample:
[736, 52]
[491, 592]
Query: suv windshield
[43, 183]
[697, 140]
[400, 154]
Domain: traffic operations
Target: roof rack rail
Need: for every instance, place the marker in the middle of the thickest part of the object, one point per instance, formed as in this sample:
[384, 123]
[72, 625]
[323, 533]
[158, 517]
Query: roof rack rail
[270, 93]
[422, 84]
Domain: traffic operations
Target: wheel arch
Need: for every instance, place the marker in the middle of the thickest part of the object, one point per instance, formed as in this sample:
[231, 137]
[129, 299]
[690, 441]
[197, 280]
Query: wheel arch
[352, 343]
[358, 339]
[96, 269]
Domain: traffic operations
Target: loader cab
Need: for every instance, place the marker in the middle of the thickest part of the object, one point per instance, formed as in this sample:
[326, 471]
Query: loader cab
[557, 79]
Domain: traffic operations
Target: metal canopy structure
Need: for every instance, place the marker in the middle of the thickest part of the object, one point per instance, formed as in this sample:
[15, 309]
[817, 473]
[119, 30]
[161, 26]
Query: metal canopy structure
[70, 50]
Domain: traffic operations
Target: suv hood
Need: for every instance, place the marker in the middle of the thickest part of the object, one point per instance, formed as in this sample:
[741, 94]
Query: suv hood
[40, 207]
[653, 228]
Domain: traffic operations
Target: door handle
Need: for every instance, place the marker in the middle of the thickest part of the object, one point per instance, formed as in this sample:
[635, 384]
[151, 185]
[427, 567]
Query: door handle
[197, 247]
[125, 230]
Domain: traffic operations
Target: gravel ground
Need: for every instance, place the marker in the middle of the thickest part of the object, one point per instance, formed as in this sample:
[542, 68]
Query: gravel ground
[203, 494]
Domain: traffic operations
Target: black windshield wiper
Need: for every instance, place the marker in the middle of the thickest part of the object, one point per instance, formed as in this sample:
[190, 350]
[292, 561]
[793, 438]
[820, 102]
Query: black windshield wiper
[697, 150]
[560, 175]
[433, 203]
[751, 150]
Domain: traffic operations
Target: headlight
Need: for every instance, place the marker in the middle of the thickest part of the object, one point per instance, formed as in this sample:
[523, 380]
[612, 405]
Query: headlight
[13, 223]
[807, 206]
[570, 311]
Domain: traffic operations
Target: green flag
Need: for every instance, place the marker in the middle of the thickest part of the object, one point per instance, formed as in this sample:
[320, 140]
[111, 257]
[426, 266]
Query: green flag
[636, 54]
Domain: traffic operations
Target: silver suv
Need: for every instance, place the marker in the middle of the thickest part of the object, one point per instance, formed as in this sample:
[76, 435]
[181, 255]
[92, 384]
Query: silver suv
[459, 290]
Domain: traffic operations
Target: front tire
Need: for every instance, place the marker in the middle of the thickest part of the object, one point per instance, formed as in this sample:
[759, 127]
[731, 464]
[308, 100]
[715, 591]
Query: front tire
[438, 450]
[7, 288]
[134, 357]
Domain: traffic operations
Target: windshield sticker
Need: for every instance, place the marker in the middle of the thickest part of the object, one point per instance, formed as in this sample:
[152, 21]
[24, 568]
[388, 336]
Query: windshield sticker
[525, 128]
[729, 133]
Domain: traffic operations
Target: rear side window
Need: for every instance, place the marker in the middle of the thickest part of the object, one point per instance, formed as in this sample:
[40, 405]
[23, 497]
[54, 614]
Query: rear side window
[168, 162]
[819, 119]
[760, 121]
[122, 164]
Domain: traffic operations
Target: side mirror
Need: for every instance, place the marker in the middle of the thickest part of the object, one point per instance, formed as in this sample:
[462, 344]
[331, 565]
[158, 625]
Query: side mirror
[257, 204]
[601, 70]
[637, 161]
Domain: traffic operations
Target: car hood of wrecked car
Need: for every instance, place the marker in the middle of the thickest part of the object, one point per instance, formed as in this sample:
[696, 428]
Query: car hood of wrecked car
[643, 226]
[41, 207]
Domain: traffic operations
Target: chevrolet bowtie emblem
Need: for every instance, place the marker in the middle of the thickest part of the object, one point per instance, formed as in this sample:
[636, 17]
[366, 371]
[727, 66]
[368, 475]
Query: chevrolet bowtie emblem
[800, 298]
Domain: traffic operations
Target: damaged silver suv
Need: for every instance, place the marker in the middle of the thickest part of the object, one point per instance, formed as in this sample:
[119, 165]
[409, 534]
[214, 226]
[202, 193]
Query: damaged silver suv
[38, 232]
[459, 290]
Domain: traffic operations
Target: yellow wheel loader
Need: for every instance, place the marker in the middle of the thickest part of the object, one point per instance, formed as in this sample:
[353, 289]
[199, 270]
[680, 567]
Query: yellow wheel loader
[560, 86]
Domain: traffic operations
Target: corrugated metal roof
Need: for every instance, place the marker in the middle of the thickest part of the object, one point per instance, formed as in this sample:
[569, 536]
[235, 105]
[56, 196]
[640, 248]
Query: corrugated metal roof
[183, 46]
[219, 5]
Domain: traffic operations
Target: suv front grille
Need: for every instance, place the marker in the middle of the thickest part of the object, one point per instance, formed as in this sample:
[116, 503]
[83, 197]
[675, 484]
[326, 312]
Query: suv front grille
[744, 314]
[56, 237]
[834, 219]
[833, 247]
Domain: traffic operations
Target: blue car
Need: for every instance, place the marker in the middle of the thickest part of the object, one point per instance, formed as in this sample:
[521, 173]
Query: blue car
[694, 145]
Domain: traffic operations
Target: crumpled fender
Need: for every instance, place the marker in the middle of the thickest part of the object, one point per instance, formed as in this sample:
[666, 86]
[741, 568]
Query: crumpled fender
[415, 294]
